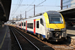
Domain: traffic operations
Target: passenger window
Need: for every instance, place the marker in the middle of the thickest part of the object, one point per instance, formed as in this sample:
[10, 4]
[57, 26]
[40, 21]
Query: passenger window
[37, 24]
[30, 25]
[20, 24]
[41, 21]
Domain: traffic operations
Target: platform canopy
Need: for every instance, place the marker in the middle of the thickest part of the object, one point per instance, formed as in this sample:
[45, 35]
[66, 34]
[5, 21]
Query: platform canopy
[69, 14]
[5, 6]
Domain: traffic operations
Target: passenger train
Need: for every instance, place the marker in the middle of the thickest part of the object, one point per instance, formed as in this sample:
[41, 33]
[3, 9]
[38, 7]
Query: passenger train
[49, 25]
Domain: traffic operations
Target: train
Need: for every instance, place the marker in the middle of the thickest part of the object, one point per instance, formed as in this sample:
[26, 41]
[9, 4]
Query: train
[49, 25]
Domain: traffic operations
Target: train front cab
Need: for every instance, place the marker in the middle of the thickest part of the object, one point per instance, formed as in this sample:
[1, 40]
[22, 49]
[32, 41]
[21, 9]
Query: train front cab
[55, 26]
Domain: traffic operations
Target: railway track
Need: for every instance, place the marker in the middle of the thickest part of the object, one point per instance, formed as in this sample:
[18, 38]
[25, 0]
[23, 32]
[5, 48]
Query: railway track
[47, 45]
[63, 45]
[25, 44]
[21, 40]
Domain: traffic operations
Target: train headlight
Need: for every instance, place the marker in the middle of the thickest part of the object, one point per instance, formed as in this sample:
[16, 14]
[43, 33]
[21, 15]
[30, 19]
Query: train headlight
[51, 29]
[63, 29]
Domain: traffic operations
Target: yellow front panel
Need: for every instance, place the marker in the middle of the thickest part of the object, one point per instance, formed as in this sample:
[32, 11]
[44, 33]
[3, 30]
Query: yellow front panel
[46, 19]
[54, 26]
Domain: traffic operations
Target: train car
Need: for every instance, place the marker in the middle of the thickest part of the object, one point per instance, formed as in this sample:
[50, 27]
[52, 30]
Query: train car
[17, 24]
[49, 25]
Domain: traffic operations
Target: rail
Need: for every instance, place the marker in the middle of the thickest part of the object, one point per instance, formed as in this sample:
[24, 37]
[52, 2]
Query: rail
[28, 40]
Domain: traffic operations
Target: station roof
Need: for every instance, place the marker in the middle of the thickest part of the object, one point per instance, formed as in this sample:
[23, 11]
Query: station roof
[5, 6]
[69, 14]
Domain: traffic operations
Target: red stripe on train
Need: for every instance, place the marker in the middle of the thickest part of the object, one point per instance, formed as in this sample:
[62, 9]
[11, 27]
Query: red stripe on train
[34, 26]
[26, 25]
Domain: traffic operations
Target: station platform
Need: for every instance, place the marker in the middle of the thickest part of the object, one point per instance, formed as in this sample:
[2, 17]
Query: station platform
[5, 40]
[71, 34]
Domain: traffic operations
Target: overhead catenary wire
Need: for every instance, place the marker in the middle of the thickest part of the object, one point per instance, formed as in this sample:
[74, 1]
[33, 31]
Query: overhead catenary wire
[41, 3]
[17, 7]
[30, 4]
[37, 5]
[22, 5]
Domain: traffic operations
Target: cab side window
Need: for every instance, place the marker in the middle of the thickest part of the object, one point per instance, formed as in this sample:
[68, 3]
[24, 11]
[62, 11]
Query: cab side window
[37, 24]
[41, 21]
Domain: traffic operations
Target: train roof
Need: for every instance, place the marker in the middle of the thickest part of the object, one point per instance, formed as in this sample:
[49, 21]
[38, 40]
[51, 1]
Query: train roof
[52, 12]
[40, 15]
[34, 17]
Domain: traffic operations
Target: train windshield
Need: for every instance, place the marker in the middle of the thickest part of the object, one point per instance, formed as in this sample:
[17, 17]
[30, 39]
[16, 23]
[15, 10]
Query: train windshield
[55, 18]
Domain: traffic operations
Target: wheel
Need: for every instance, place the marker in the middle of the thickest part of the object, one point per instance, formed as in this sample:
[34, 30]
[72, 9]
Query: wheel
[38, 36]
[42, 38]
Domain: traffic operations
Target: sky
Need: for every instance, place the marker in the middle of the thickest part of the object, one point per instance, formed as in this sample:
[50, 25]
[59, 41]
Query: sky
[20, 6]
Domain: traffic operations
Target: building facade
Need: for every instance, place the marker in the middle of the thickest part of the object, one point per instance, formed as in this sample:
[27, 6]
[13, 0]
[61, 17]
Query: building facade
[67, 4]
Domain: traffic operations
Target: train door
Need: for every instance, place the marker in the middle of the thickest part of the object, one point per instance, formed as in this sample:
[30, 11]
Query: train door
[42, 28]
[24, 25]
[37, 26]
[19, 24]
